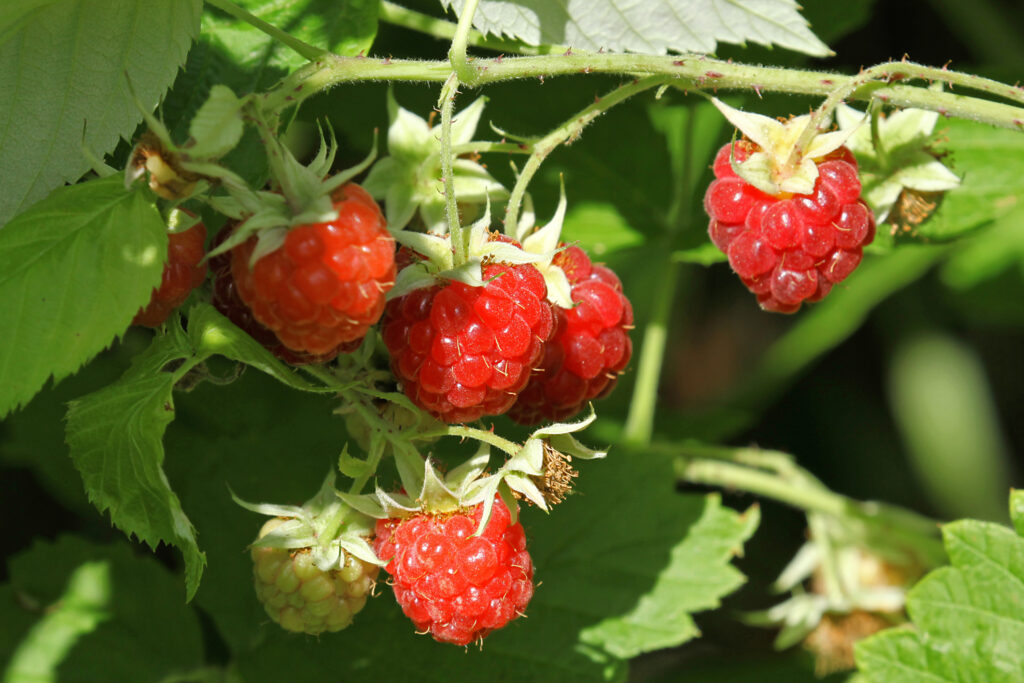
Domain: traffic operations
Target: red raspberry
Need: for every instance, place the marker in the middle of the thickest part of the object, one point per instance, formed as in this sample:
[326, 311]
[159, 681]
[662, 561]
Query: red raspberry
[325, 285]
[230, 304]
[458, 586]
[463, 352]
[183, 272]
[788, 249]
[590, 347]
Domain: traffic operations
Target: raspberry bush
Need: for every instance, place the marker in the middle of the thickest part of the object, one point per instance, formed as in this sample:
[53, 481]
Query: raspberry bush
[484, 281]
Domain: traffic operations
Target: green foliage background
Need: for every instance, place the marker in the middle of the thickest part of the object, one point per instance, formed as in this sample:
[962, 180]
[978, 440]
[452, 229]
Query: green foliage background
[840, 385]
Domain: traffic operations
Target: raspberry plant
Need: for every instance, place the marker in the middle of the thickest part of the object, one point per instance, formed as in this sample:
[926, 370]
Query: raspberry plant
[496, 305]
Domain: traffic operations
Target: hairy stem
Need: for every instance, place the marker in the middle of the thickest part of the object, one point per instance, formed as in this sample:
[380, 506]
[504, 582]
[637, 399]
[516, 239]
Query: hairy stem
[501, 443]
[447, 103]
[457, 53]
[484, 147]
[684, 72]
[918, 531]
[568, 130]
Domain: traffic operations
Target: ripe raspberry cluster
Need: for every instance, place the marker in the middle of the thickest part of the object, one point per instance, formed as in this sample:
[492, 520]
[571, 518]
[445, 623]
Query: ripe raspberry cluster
[789, 248]
[182, 273]
[463, 352]
[325, 286]
[455, 585]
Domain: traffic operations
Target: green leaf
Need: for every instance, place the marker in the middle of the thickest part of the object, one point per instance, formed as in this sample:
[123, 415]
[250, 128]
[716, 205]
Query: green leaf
[695, 577]
[656, 26]
[217, 126]
[29, 439]
[991, 163]
[609, 561]
[89, 612]
[74, 270]
[245, 58]
[599, 229]
[818, 331]
[211, 333]
[65, 65]
[968, 618]
[706, 254]
[115, 436]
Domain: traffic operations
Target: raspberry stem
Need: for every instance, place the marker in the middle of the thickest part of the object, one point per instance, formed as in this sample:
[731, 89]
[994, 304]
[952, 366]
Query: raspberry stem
[447, 103]
[503, 444]
[737, 469]
[569, 130]
[688, 71]
[457, 52]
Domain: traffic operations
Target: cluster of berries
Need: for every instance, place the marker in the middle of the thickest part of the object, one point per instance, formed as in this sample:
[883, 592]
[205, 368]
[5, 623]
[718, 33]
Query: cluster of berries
[451, 582]
[460, 352]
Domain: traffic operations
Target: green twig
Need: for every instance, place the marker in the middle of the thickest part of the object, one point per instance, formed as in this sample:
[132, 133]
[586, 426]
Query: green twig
[304, 49]
[919, 531]
[457, 52]
[686, 71]
[483, 147]
[501, 443]
[447, 103]
[640, 421]
[567, 131]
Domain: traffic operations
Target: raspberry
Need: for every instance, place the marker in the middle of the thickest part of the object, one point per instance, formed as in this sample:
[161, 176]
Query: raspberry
[463, 352]
[590, 346]
[303, 598]
[325, 285]
[230, 304]
[458, 586]
[789, 248]
[183, 272]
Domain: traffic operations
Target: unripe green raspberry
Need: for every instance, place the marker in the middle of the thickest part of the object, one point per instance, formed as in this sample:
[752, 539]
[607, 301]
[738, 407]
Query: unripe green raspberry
[303, 598]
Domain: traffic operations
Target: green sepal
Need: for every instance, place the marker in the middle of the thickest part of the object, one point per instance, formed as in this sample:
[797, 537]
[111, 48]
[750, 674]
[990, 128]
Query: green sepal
[326, 524]
[435, 496]
[350, 465]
